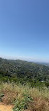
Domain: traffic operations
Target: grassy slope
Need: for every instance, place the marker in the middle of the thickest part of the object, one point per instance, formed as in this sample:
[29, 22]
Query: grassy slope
[24, 97]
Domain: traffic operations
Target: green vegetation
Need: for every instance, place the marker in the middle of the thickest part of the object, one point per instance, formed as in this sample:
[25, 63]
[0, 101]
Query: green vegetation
[24, 85]
[24, 72]
[24, 98]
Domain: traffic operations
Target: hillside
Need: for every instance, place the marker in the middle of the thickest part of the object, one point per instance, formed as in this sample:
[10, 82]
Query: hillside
[24, 86]
[23, 69]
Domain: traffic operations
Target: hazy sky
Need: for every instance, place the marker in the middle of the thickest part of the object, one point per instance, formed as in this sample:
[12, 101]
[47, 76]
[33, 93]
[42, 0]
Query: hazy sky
[24, 29]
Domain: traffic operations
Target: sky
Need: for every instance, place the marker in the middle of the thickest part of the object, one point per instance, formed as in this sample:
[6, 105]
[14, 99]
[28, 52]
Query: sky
[24, 29]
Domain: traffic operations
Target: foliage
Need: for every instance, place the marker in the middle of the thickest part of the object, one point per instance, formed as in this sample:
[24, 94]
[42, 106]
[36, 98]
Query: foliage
[23, 72]
[23, 104]
[25, 97]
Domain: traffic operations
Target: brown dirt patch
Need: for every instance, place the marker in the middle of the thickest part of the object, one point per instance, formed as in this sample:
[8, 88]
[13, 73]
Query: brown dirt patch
[4, 107]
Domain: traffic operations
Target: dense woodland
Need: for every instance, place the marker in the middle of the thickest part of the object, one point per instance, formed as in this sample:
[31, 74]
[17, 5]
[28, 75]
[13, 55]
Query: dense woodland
[23, 71]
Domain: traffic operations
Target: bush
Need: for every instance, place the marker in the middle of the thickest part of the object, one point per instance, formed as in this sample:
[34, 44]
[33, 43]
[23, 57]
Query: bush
[23, 104]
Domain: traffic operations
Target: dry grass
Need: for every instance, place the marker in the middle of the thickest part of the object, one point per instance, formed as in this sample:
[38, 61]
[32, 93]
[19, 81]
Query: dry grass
[12, 92]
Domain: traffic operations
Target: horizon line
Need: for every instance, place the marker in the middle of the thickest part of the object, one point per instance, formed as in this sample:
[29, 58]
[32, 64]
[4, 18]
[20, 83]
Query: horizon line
[25, 59]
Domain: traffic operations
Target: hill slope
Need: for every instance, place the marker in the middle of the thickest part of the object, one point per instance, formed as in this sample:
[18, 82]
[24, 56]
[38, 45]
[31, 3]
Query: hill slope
[24, 69]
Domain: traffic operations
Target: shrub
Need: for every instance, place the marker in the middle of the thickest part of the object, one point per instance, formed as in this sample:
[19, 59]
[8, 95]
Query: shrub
[23, 104]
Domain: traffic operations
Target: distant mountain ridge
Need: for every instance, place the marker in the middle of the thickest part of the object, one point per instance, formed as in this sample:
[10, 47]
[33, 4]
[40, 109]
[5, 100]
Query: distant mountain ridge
[43, 63]
[24, 69]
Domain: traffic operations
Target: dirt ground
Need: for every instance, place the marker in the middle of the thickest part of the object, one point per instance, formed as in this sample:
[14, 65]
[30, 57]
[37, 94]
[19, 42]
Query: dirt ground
[4, 107]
